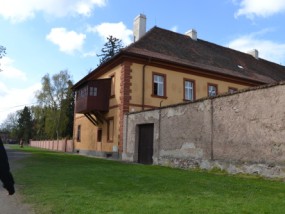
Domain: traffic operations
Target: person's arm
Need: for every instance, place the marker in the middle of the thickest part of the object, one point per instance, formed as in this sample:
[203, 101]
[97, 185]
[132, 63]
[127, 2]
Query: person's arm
[5, 174]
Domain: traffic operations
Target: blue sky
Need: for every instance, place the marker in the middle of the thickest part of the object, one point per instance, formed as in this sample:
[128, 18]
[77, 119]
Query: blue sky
[47, 36]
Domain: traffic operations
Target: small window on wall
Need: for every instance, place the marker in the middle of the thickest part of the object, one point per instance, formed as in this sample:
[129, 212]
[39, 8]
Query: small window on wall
[99, 135]
[78, 137]
[83, 92]
[112, 85]
[93, 91]
[212, 90]
[159, 85]
[189, 89]
[232, 90]
[110, 133]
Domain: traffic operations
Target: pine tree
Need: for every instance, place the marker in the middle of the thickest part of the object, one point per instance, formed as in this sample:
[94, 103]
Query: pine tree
[110, 49]
[25, 125]
[2, 52]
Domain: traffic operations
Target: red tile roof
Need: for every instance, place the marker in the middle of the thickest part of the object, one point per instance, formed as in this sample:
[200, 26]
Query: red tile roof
[181, 49]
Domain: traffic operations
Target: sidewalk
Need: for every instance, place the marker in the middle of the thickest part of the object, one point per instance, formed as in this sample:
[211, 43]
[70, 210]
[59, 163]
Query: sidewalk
[13, 204]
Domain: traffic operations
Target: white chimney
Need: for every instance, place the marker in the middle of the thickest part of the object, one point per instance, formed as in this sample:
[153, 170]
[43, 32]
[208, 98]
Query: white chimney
[139, 27]
[192, 34]
[253, 53]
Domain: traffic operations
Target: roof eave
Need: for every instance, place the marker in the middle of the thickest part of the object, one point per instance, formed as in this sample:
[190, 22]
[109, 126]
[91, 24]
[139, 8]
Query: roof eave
[99, 70]
[197, 69]
[125, 54]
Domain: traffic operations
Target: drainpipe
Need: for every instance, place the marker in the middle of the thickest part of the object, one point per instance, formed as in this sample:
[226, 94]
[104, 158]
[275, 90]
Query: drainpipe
[143, 82]
[212, 130]
[159, 131]
[143, 85]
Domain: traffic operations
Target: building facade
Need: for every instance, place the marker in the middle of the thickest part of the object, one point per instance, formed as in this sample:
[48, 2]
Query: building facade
[160, 68]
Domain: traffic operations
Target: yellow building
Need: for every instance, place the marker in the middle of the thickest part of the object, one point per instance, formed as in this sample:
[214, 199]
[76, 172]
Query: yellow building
[160, 68]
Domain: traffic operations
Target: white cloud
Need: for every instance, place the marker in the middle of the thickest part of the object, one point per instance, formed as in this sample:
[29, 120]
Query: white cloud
[85, 7]
[118, 30]
[9, 71]
[174, 29]
[267, 49]
[253, 8]
[13, 99]
[13, 92]
[68, 41]
[89, 54]
[19, 10]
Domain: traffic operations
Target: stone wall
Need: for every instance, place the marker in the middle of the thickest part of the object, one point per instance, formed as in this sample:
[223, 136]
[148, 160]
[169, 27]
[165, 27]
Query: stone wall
[241, 133]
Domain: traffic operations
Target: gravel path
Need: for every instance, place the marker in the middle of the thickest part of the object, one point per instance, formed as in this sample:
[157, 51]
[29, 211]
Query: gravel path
[13, 204]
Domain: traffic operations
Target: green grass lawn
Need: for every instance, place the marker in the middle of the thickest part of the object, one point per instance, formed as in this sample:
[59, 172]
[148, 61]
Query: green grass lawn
[63, 183]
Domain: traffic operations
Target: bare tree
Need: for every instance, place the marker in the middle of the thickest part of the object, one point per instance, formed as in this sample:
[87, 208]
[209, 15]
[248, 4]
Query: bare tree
[55, 91]
[10, 124]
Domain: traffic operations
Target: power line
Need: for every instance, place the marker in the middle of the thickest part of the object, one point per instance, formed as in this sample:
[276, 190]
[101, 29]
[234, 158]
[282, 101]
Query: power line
[12, 107]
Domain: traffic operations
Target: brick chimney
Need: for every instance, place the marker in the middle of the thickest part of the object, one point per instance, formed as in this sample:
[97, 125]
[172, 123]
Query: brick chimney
[192, 34]
[253, 53]
[139, 27]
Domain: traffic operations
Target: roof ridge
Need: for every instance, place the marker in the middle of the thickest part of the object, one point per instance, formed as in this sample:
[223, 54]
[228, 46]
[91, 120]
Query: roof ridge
[134, 43]
[212, 43]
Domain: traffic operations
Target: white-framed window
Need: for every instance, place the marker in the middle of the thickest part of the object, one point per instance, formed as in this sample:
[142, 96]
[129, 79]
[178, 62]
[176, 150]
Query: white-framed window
[189, 87]
[158, 85]
[212, 90]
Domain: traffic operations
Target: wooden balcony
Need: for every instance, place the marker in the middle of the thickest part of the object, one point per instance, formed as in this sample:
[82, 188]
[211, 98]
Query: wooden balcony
[93, 96]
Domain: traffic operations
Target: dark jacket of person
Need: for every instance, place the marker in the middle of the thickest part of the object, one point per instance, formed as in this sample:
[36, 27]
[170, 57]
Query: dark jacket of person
[5, 174]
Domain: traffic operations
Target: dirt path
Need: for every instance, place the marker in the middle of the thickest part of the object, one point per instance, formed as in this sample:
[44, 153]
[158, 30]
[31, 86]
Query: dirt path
[13, 204]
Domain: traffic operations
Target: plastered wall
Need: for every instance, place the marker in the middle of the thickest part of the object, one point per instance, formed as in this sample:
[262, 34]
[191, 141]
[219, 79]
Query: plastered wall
[239, 133]
[250, 126]
[88, 143]
[174, 85]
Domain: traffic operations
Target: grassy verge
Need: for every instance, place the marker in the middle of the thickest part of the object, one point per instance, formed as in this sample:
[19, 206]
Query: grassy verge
[62, 183]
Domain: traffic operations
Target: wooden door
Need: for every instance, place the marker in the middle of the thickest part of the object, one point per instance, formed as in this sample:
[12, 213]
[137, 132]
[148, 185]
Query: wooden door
[145, 150]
